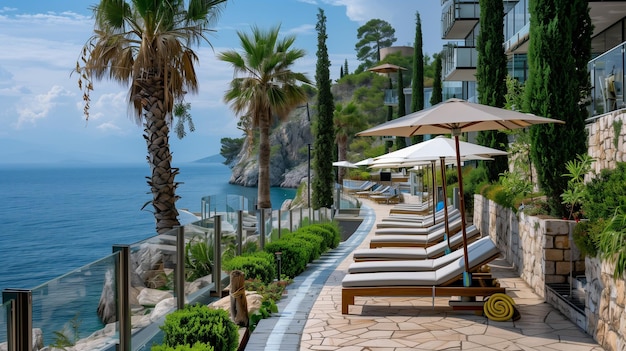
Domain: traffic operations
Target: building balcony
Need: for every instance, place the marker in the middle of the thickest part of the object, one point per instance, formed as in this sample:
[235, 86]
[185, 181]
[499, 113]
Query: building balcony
[458, 18]
[459, 63]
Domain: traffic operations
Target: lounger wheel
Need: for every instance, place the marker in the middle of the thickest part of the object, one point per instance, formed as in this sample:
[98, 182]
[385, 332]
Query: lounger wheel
[500, 307]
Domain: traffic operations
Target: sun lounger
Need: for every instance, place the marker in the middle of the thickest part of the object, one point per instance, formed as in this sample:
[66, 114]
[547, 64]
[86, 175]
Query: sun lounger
[445, 281]
[391, 195]
[377, 189]
[410, 253]
[412, 240]
[426, 222]
[408, 230]
[365, 186]
[417, 218]
[415, 265]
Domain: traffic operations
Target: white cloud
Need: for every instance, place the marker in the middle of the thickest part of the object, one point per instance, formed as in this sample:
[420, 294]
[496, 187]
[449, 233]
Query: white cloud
[108, 127]
[302, 29]
[39, 106]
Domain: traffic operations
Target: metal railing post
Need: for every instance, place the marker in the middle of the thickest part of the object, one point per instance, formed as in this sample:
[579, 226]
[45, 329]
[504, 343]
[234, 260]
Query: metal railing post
[123, 297]
[19, 319]
[239, 232]
[180, 267]
[291, 220]
[217, 255]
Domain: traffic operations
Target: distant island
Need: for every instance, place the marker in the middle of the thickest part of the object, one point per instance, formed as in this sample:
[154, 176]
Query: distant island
[217, 158]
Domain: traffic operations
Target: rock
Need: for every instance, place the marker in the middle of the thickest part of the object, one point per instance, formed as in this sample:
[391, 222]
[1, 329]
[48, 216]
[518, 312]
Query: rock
[151, 297]
[162, 308]
[253, 300]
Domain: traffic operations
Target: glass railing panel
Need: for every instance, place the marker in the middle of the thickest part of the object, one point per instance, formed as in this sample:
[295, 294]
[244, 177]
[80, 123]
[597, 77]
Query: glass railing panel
[74, 309]
[4, 310]
[199, 258]
[607, 81]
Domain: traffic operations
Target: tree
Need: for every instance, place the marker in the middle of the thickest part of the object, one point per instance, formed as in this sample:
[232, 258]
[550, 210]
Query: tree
[147, 44]
[372, 36]
[437, 95]
[401, 141]
[557, 84]
[181, 112]
[230, 149]
[347, 121]
[323, 183]
[345, 67]
[264, 87]
[491, 75]
[417, 83]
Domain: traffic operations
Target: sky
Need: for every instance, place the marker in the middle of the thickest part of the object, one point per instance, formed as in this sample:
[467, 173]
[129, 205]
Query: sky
[41, 108]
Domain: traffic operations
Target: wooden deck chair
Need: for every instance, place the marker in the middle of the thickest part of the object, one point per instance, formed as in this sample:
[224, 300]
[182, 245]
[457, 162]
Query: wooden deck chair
[445, 281]
[434, 238]
[402, 222]
[410, 253]
[414, 229]
[428, 264]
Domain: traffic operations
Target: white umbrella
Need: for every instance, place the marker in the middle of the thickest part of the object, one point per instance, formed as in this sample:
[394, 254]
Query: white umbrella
[366, 162]
[345, 164]
[456, 116]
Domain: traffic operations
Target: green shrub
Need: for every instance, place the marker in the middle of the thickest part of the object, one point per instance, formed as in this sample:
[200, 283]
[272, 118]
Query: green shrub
[605, 193]
[585, 236]
[612, 242]
[200, 324]
[474, 180]
[196, 347]
[295, 255]
[313, 241]
[329, 231]
[198, 259]
[258, 265]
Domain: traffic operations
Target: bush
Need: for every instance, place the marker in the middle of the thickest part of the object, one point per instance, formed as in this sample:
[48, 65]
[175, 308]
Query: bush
[314, 242]
[585, 237]
[295, 255]
[258, 265]
[472, 182]
[200, 324]
[606, 193]
[329, 231]
[196, 347]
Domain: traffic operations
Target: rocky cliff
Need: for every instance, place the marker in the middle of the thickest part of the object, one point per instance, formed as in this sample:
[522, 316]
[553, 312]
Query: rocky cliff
[289, 158]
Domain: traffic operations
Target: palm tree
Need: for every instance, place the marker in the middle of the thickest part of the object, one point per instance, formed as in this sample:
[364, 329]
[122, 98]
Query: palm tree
[347, 122]
[264, 86]
[147, 44]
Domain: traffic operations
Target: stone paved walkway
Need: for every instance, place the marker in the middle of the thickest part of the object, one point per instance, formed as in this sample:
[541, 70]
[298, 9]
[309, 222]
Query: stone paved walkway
[312, 319]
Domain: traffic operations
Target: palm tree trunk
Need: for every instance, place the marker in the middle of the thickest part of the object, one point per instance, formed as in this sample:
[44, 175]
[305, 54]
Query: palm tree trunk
[156, 133]
[264, 200]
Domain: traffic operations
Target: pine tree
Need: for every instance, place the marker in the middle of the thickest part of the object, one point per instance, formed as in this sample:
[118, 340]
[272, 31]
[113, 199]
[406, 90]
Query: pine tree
[491, 77]
[324, 143]
[557, 57]
[401, 141]
[417, 81]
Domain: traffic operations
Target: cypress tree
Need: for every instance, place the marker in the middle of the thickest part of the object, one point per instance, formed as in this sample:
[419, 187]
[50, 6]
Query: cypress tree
[345, 67]
[401, 141]
[491, 77]
[437, 95]
[560, 32]
[417, 83]
[323, 183]
[341, 72]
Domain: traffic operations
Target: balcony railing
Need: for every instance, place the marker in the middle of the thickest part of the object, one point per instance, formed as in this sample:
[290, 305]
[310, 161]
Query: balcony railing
[459, 63]
[607, 81]
[458, 18]
[94, 306]
[391, 97]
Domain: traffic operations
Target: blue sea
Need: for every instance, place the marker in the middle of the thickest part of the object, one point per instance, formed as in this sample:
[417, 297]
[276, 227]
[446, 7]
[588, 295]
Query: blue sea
[54, 219]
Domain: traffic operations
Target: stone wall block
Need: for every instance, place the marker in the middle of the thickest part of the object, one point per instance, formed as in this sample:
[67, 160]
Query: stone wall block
[553, 255]
[550, 267]
[563, 268]
[561, 242]
[554, 279]
[620, 298]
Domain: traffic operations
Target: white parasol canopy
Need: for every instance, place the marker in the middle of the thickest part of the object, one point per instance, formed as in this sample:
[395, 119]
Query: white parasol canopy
[345, 164]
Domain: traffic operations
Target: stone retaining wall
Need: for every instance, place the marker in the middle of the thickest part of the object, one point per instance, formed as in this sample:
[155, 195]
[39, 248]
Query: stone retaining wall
[540, 250]
[607, 145]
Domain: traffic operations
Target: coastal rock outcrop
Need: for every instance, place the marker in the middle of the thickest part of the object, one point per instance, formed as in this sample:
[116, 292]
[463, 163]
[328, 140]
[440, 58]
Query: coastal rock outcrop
[289, 154]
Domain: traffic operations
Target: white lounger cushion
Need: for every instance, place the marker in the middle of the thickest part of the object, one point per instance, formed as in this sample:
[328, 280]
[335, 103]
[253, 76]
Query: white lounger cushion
[423, 239]
[427, 278]
[409, 253]
[416, 224]
[404, 230]
[418, 218]
[413, 265]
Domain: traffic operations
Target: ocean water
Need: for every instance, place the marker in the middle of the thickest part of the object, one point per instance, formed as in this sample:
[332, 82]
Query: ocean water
[54, 219]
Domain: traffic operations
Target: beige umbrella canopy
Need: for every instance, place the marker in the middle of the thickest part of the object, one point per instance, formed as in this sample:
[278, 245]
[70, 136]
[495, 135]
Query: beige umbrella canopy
[386, 68]
[455, 116]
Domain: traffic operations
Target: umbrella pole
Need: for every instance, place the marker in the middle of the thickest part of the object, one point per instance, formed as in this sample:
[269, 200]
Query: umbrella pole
[433, 190]
[467, 277]
[445, 198]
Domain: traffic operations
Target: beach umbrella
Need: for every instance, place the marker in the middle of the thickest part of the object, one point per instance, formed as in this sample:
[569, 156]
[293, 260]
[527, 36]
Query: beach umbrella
[345, 164]
[455, 116]
[366, 162]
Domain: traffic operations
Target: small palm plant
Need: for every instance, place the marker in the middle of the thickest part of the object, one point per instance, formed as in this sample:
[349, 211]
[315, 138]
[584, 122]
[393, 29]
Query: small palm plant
[574, 196]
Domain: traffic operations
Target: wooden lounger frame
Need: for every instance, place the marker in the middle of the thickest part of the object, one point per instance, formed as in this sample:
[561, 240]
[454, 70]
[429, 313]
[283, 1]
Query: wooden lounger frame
[450, 288]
